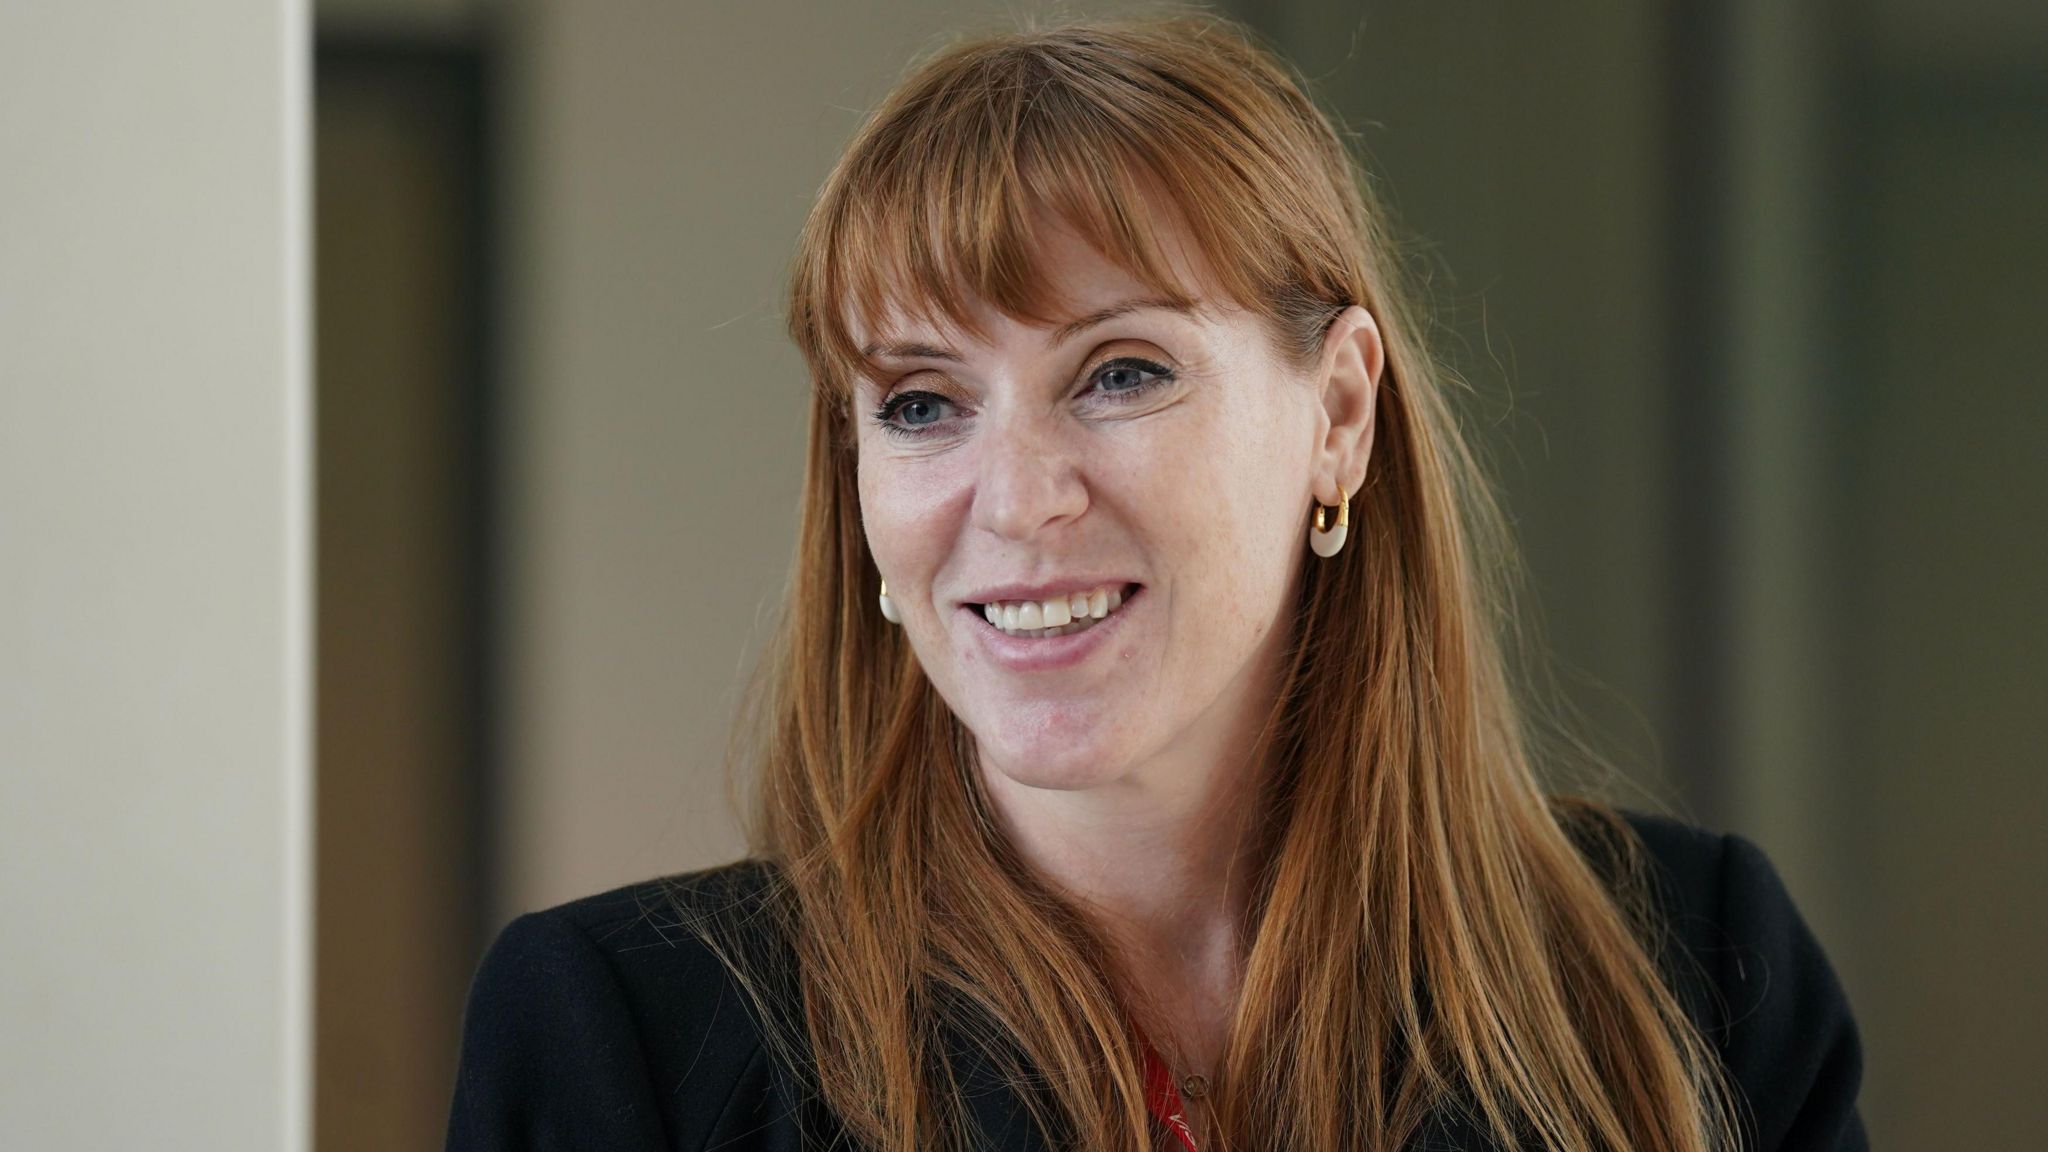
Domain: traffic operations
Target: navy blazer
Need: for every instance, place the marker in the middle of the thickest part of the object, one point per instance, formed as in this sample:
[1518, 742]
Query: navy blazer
[601, 1024]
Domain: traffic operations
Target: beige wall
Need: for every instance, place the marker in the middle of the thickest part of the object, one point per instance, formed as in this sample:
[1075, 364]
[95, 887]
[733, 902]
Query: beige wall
[154, 587]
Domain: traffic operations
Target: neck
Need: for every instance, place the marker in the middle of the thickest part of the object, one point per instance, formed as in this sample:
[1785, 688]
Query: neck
[1162, 858]
[1164, 869]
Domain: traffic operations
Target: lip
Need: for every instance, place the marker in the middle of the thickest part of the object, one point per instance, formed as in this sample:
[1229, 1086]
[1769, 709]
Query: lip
[1024, 654]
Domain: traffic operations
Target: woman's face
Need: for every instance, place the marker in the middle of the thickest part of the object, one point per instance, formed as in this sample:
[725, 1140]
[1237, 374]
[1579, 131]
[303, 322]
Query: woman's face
[1164, 459]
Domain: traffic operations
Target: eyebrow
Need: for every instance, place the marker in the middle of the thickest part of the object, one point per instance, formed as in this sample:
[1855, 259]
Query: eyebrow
[1060, 335]
[910, 352]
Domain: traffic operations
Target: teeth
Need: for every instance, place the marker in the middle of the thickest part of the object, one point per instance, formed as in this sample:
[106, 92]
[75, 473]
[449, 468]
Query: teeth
[1055, 617]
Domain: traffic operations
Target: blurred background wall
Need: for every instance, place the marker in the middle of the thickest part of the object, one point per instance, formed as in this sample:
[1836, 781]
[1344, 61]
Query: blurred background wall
[155, 576]
[1741, 287]
[406, 547]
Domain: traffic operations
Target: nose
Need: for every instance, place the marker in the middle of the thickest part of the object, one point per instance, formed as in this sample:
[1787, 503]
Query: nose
[1029, 478]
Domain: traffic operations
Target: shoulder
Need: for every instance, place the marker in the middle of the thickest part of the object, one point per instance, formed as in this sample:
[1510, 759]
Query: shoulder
[620, 1010]
[658, 943]
[1750, 973]
[666, 915]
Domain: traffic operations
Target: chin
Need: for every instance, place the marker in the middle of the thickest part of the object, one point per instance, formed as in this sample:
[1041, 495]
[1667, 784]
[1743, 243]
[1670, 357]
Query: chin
[1051, 756]
[1055, 776]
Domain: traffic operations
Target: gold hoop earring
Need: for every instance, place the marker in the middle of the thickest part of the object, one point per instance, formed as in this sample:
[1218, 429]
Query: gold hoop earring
[1327, 542]
[889, 606]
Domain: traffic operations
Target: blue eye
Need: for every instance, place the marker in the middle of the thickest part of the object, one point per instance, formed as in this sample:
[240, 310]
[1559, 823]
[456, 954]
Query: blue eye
[1123, 378]
[918, 409]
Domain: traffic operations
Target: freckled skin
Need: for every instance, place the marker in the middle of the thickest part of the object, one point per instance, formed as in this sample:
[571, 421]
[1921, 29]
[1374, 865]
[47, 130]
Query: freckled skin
[1200, 490]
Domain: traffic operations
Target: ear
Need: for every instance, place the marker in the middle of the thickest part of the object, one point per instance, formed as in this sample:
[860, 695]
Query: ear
[1353, 359]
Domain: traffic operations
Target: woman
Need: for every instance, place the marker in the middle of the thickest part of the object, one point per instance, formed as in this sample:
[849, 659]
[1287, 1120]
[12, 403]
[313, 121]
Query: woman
[1137, 762]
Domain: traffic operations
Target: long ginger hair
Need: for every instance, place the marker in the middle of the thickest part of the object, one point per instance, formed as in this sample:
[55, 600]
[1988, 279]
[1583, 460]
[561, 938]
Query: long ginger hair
[1427, 928]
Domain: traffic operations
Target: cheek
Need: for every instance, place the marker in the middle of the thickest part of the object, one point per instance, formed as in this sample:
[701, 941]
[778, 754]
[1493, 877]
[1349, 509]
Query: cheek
[877, 519]
[1219, 484]
[892, 536]
[908, 516]
[1225, 509]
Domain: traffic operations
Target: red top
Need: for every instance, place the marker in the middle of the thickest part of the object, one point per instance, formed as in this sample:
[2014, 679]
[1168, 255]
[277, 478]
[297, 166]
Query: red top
[1162, 1097]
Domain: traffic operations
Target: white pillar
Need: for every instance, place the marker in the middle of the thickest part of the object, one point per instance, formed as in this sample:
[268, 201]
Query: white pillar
[154, 575]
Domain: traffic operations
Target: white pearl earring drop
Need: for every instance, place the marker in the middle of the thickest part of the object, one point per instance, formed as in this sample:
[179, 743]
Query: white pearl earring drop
[889, 606]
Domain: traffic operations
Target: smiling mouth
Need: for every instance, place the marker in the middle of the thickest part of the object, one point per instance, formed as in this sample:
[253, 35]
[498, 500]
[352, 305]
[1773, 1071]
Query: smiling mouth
[1060, 616]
